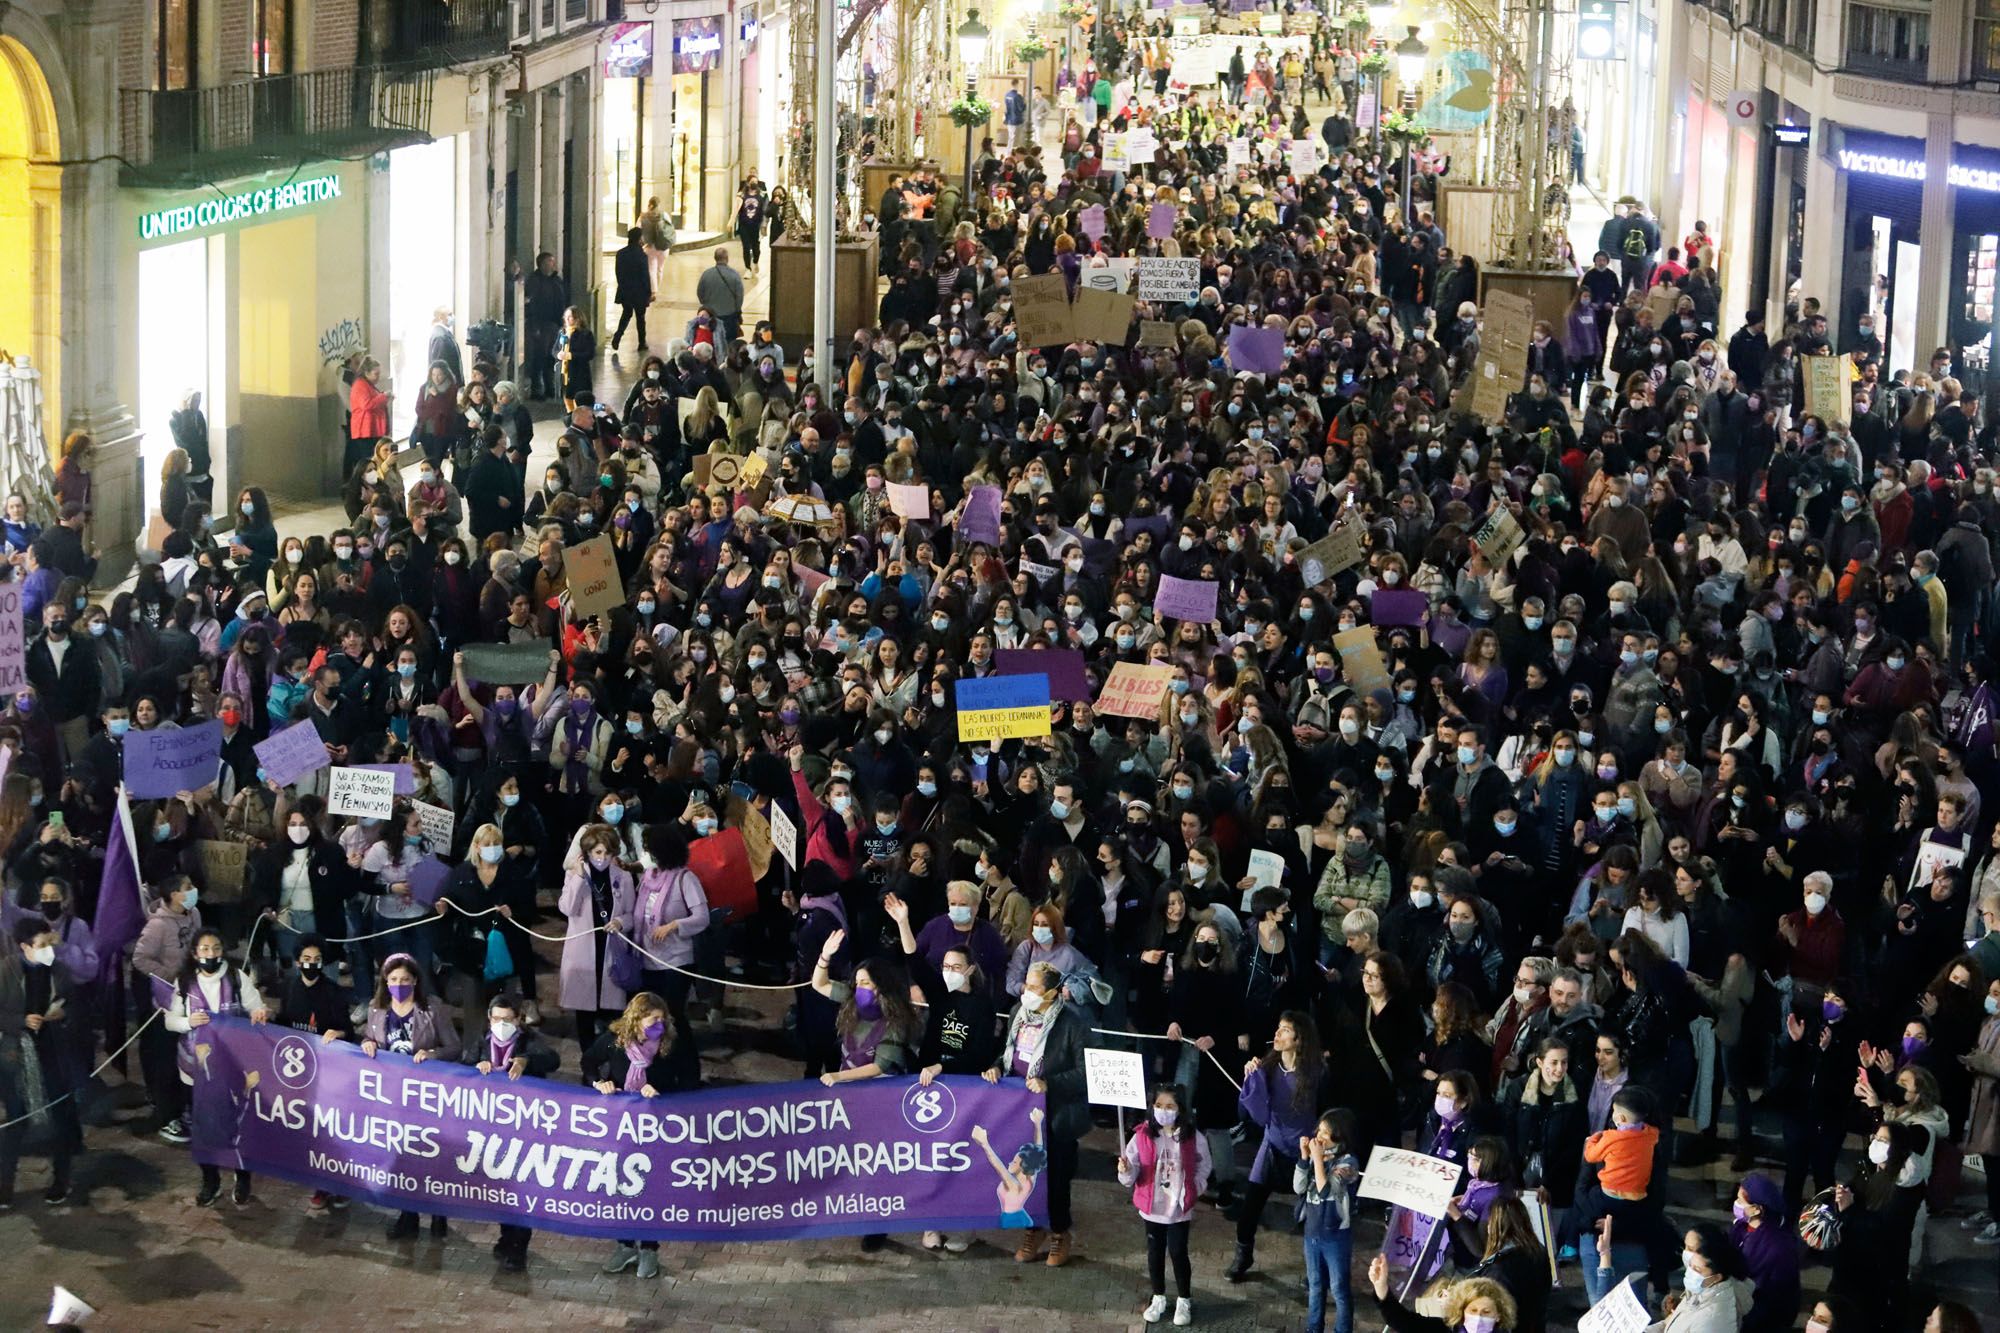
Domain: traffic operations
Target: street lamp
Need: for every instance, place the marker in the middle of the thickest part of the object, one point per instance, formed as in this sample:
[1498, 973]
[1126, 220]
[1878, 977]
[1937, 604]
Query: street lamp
[1381, 15]
[1410, 56]
[972, 37]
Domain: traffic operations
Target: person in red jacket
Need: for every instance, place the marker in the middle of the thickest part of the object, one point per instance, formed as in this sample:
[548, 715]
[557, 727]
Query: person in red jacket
[1810, 940]
[832, 829]
[367, 414]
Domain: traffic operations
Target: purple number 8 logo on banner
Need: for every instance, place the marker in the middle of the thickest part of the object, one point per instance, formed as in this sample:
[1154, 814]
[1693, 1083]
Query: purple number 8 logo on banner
[295, 1062]
[929, 1110]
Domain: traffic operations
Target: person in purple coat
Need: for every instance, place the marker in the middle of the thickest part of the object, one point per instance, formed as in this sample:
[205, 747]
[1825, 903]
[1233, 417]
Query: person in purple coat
[598, 898]
[961, 927]
[1281, 1096]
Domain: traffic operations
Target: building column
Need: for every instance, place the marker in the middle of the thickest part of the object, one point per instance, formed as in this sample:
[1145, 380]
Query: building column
[548, 229]
[1826, 238]
[1937, 222]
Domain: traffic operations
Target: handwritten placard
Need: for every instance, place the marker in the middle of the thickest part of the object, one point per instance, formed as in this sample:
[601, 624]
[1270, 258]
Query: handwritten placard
[591, 568]
[222, 866]
[1828, 395]
[1621, 1311]
[506, 663]
[1171, 280]
[1158, 333]
[1091, 222]
[1160, 219]
[784, 835]
[1135, 690]
[13, 641]
[366, 792]
[1186, 599]
[1499, 536]
[293, 753]
[906, 501]
[165, 762]
[1361, 662]
[438, 824]
[1413, 1180]
[1338, 550]
[1115, 1078]
[1041, 310]
[1101, 316]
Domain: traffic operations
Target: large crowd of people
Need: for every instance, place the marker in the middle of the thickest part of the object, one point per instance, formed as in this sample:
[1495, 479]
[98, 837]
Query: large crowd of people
[1656, 837]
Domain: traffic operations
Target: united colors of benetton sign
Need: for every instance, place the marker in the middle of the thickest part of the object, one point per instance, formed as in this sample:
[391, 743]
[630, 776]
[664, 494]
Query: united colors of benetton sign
[240, 207]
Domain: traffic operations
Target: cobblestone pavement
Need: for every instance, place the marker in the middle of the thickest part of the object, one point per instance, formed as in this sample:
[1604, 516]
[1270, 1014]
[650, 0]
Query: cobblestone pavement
[133, 1244]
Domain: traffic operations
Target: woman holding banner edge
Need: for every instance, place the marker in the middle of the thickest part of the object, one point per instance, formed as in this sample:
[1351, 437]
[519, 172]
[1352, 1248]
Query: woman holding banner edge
[1044, 1045]
[632, 1055]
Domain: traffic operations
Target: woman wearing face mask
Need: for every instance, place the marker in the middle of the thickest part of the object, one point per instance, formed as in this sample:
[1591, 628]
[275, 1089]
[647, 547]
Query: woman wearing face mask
[1281, 1096]
[1982, 1121]
[578, 747]
[1166, 1165]
[1047, 942]
[878, 1028]
[830, 830]
[488, 896]
[164, 950]
[672, 910]
[631, 1057]
[1044, 1045]
[1205, 1014]
[405, 1019]
[1762, 1231]
[598, 898]
[299, 884]
[1470, 1305]
[1715, 1295]
[1878, 1212]
[208, 988]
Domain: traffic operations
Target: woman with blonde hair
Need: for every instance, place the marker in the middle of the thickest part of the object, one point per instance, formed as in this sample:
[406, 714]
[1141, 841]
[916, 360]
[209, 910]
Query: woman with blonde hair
[175, 490]
[1471, 1305]
[630, 1057]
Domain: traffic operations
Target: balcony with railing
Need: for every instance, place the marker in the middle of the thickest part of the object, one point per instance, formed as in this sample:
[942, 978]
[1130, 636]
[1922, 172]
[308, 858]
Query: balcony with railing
[188, 135]
[1888, 40]
[446, 32]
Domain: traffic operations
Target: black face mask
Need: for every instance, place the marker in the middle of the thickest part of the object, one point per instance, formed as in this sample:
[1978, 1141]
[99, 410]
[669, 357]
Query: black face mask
[310, 971]
[1207, 951]
[210, 965]
[52, 908]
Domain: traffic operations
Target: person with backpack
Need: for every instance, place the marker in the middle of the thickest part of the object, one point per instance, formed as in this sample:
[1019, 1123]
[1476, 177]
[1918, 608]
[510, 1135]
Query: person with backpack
[656, 233]
[1637, 245]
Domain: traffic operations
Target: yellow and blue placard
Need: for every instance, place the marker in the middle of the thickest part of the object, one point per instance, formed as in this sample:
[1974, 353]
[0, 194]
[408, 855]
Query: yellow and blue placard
[998, 708]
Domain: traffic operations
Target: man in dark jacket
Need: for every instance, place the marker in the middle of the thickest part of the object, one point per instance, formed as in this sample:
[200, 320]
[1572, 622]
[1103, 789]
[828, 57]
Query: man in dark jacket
[635, 287]
[34, 1011]
[444, 345]
[544, 295]
[1747, 349]
[64, 674]
[509, 1050]
[65, 544]
[493, 489]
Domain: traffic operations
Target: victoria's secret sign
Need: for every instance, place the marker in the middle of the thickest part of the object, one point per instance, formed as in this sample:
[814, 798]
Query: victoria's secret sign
[239, 207]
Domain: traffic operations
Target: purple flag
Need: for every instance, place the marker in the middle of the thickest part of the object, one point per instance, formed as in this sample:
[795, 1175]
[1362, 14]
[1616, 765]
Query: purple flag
[1063, 667]
[981, 520]
[121, 908]
[1257, 349]
[772, 1162]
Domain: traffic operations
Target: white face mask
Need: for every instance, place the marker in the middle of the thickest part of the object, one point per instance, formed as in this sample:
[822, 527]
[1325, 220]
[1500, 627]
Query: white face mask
[955, 982]
[1878, 1152]
[503, 1031]
[1033, 1001]
[298, 833]
[44, 956]
[1815, 903]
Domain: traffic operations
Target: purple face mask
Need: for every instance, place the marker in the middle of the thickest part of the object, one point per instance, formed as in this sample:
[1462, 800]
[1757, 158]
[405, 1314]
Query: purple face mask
[866, 1002]
[1831, 1010]
[579, 707]
[401, 990]
[1911, 1045]
[655, 1029]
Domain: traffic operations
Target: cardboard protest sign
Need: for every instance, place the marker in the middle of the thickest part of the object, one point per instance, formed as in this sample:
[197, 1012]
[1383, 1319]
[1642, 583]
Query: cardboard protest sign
[1487, 398]
[367, 792]
[906, 501]
[756, 831]
[1621, 1311]
[1063, 667]
[1256, 349]
[1829, 394]
[1361, 661]
[1104, 317]
[998, 708]
[1041, 310]
[1186, 599]
[297, 751]
[1162, 279]
[1159, 333]
[1412, 1180]
[165, 762]
[1660, 303]
[1115, 1078]
[591, 568]
[438, 824]
[1509, 323]
[222, 867]
[1499, 536]
[1132, 690]
[505, 663]
[1339, 550]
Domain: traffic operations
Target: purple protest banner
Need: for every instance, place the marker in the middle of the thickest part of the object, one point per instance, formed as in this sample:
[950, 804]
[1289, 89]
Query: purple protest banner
[427, 879]
[293, 753]
[1185, 599]
[165, 762]
[406, 777]
[1160, 221]
[1063, 667]
[1255, 349]
[1091, 222]
[1398, 606]
[981, 520]
[775, 1161]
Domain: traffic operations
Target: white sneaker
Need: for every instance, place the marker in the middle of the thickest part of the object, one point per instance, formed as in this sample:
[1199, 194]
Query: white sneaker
[1183, 1311]
[1156, 1310]
[957, 1244]
[1990, 1236]
[933, 1240]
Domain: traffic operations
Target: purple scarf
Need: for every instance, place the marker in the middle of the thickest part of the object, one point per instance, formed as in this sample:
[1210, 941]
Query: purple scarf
[641, 1057]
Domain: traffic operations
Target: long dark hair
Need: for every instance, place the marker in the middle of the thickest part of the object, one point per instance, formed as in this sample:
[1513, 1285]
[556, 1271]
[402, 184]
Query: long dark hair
[1311, 1058]
[1151, 1127]
[185, 982]
[892, 988]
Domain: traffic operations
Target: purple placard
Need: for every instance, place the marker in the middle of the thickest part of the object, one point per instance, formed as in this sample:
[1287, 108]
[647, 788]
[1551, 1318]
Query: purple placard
[1091, 222]
[1063, 667]
[981, 520]
[1186, 599]
[406, 778]
[167, 761]
[1160, 221]
[777, 1161]
[427, 879]
[1257, 349]
[1398, 606]
[293, 753]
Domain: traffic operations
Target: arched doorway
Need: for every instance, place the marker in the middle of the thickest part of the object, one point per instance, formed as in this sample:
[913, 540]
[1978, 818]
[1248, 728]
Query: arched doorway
[31, 222]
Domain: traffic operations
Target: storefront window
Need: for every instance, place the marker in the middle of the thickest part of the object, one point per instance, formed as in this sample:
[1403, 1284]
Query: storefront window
[1986, 39]
[1882, 39]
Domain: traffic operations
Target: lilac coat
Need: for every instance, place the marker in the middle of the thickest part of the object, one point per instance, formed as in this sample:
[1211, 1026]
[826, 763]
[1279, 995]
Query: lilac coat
[582, 985]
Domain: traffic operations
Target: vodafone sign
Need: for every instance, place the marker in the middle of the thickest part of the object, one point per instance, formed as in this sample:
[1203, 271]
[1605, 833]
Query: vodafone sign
[1743, 106]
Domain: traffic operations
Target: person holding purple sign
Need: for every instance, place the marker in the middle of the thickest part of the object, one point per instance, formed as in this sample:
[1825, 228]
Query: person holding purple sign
[1044, 1045]
[208, 988]
[405, 1019]
[631, 1057]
